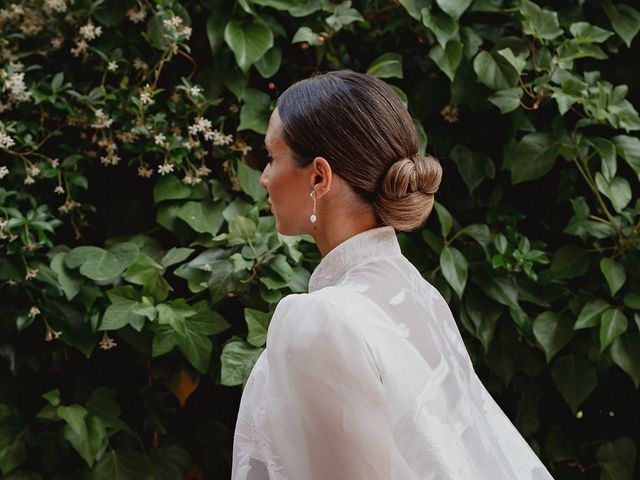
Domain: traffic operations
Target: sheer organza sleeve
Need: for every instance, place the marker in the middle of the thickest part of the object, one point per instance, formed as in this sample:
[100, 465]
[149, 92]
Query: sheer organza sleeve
[326, 405]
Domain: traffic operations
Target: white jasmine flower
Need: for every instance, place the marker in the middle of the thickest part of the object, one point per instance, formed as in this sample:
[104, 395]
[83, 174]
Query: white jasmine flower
[138, 64]
[4, 171]
[160, 139]
[110, 158]
[172, 23]
[165, 168]
[203, 124]
[112, 66]
[59, 189]
[136, 15]
[18, 91]
[195, 91]
[31, 273]
[191, 180]
[51, 334]
[107, 342]
[6, 141]
[29, 180]
[55, 5]
[81, 48]
[143, 171]
[56, 42]
[90, 31]
[102, 120]
[34, 311]
[68, 206]
[34, 170]
[206, 267]
[203, 171]
[55, 162]
[145, 98]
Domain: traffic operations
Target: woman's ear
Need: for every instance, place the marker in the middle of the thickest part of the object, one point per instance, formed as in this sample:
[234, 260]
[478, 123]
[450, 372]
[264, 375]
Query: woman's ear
[321, 176]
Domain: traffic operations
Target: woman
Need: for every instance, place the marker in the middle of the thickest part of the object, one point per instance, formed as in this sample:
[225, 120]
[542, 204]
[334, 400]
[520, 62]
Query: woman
[365, 377]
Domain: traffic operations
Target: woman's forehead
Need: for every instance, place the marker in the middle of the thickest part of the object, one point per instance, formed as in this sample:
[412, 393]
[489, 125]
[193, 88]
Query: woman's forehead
[273, 136]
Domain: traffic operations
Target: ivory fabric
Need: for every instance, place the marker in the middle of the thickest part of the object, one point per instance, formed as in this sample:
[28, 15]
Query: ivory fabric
[366, 377]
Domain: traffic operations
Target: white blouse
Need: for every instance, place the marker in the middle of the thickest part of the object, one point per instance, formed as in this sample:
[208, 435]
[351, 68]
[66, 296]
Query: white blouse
[366, 377]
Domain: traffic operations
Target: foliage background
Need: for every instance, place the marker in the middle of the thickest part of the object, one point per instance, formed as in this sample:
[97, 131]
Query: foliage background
[139, 262]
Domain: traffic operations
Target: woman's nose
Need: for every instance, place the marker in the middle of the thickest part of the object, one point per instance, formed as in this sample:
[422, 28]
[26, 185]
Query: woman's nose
[264, 177]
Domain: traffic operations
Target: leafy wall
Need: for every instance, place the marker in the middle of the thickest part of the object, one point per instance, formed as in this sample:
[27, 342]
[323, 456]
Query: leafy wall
[139, 263]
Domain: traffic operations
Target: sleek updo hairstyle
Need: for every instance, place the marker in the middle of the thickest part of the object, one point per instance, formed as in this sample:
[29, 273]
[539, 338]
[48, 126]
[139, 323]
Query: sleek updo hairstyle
[360, 126]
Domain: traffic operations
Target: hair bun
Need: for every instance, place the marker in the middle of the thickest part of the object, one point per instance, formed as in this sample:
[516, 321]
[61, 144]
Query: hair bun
[407, 192]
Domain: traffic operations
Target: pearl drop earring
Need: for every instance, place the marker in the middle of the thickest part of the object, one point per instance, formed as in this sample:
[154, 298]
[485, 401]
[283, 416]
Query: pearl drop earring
[313, 216]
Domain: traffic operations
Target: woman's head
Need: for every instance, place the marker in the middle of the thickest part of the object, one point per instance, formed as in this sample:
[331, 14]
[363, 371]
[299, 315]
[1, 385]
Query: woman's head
[355, 127]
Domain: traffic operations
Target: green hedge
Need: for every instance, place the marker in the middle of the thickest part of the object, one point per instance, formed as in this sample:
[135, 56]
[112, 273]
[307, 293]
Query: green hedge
[139, 262]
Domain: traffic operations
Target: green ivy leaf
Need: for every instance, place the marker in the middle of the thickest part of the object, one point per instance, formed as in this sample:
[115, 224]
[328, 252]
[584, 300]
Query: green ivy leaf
[454, 268]
[270, 63]
[238, 358]
[507, 100]
[148, 273]
[584, 32]
[575, 378]
[473, 167]
[120, 313]
[617, 190]
[552, 331]
[484, 314]
[175, 314]
[248, 42]
[69, 282]
[221, 280]
[249, 179]
[607, 153]
[170, 187]
[538, 22]
[195, 347]
[443, 27]
[533, 157]
[11, 457]
[215, 31]
[446, 221]
[204, 216]
[258, 324]
[590, 314]
[613, 324]
[447, 58]
[343, 15]
[95, 263]
[625, 352]
[629, 149]
[570, 261]
[617, 459]
[624, 19]
[122, 465]
[91, 439]
[74, 415]
[176, 255]
[454, 8]
[255, 111]
[414, 7]
[305, 34]
[614, 274]
[387, 65]
[495, 71]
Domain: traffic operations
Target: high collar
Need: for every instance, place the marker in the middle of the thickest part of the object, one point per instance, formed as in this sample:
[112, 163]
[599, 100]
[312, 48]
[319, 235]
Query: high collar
[372, 243]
